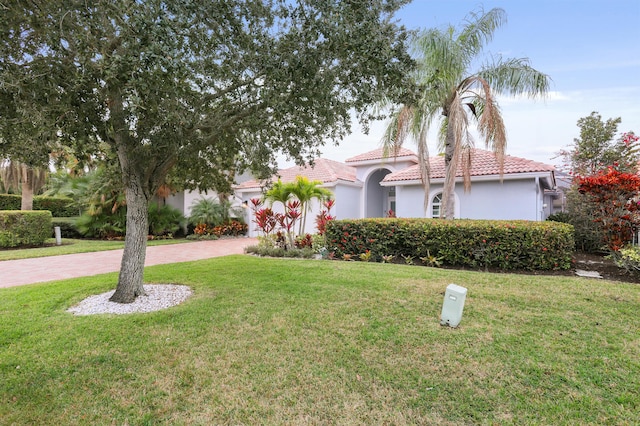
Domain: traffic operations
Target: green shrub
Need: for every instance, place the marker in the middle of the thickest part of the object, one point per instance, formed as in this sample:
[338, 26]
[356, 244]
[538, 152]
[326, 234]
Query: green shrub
[68, 228]
[214, 212]
[19, 228]
[102, 224]
[58, 206]
[562, 217]
[506, 245]
[588, 234]
[10, 202]
[260, 250]
[163, 221]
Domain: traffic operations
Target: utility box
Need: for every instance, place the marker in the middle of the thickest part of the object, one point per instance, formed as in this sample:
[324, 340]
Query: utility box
[453, 305]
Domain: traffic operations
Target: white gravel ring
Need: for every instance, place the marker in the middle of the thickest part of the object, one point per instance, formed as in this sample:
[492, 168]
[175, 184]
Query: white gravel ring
[159, 296]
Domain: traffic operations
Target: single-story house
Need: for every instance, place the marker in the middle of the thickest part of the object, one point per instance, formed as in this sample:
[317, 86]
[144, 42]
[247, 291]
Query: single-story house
[370, 185]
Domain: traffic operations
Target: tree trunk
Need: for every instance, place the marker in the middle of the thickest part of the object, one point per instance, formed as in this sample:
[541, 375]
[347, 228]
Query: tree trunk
[26, 202]
[130, 280]
[138, 195]
[450, 166]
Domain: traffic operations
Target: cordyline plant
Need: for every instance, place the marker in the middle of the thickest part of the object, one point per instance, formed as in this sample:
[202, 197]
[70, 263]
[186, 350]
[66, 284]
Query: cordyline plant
[268, 221]
[324, 216]
[615, 196]
[288, 220]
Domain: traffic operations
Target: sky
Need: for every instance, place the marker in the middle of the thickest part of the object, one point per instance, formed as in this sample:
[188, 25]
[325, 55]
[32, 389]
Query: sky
[589, 48]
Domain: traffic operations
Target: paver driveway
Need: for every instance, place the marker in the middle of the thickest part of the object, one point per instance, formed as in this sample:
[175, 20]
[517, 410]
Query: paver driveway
[42, 269]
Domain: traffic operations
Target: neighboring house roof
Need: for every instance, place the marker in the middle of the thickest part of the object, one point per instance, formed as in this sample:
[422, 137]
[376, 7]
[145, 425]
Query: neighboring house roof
[483, 163]
[378, 154]
[323, 170]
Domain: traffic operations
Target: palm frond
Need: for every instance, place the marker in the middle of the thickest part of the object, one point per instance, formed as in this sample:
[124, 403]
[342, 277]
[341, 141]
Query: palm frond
[442, 61]
[491, 125]
[515, 76]
[10, 174]
[479, 30]
[398, 130]
[15, 174]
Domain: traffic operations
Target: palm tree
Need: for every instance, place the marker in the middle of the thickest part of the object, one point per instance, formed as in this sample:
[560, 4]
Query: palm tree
[306, 190]
[449, 92]
[281, 192]
[211, 212]
[21, 177]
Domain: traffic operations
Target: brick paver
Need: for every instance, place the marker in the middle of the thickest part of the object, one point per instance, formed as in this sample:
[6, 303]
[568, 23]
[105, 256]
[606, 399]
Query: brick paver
[42, 269]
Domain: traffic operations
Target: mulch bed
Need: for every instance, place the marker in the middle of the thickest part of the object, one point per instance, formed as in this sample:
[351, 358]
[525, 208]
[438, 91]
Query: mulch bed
[586, 262]
[607, 269]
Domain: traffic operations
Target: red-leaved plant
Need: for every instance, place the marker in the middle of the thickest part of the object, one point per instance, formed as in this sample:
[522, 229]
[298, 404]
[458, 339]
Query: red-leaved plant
[324, 216]
[615, 196]
[268, 221]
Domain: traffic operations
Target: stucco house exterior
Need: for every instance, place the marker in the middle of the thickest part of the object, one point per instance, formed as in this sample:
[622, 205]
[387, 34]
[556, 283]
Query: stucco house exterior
[370, 185]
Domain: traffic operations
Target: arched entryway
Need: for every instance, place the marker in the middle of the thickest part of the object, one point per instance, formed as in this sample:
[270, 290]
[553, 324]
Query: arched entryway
[377, 199]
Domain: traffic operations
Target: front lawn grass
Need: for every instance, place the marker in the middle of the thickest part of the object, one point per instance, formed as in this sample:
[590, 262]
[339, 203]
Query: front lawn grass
[280, 341]
[72, 246]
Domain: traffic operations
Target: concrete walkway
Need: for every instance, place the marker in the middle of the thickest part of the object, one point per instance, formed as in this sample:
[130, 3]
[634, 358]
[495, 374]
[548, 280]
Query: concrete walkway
[52, 268]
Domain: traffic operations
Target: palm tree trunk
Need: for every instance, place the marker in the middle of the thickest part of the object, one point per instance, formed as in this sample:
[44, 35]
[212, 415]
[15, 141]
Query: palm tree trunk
[450, 166]
[26, 202]
[303, 218]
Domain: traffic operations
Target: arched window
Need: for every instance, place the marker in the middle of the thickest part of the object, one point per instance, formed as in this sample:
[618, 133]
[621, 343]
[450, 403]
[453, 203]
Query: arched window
[436, 205]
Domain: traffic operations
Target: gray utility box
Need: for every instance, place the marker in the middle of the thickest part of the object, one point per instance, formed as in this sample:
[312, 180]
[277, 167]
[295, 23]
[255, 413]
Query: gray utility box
[453, 305]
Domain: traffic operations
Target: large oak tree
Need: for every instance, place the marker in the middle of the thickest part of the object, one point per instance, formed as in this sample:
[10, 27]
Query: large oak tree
[195, 87]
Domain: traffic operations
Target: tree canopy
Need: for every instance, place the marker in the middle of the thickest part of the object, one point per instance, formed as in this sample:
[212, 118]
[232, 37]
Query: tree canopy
[196, 88]
[597, 149]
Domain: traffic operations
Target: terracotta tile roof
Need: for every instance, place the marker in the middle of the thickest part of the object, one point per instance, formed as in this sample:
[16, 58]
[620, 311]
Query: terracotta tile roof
[378, 154]
[324, 170]
[483, 163]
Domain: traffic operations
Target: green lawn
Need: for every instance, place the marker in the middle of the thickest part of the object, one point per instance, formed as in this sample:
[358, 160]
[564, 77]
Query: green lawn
[279, 341]
[71, 246]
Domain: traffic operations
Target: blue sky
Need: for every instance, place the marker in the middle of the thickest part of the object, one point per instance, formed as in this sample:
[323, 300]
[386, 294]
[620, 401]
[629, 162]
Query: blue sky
[589, 48]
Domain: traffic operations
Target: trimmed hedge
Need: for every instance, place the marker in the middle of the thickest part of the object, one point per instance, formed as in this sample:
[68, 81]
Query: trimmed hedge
[24, 228]
[10, 202]
[58, 206]
[507, 245]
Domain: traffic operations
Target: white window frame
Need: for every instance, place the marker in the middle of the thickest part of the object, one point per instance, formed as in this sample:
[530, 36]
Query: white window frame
[435, 204]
